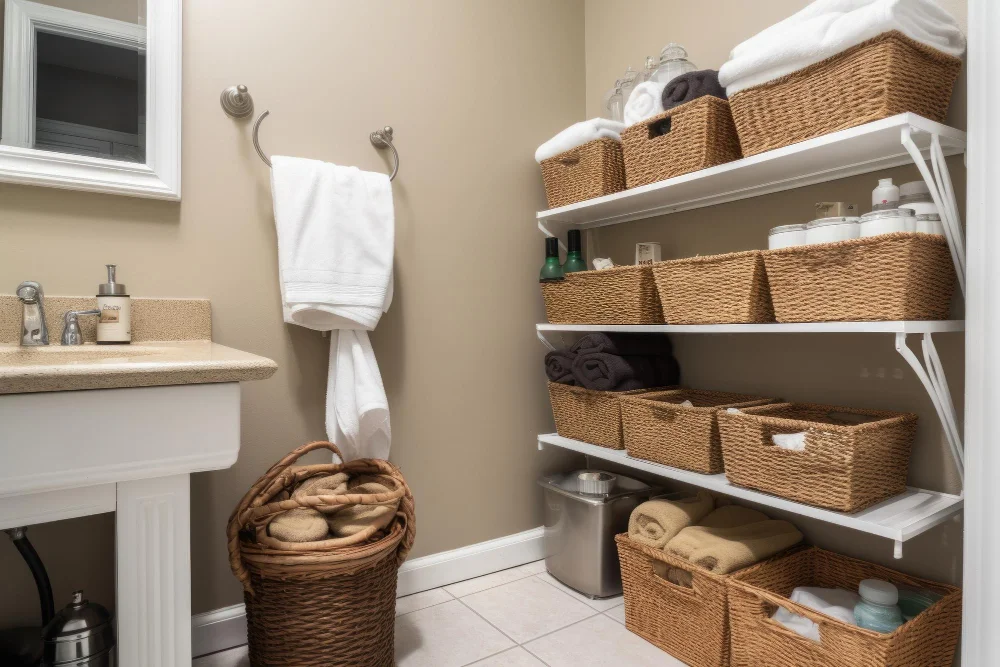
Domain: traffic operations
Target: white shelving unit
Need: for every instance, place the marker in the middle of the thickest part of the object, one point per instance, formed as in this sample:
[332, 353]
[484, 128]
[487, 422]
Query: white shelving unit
[898, 519]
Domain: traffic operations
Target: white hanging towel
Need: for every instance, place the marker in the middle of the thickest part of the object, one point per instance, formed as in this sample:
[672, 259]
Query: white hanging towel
[335, 246]
[826, 27]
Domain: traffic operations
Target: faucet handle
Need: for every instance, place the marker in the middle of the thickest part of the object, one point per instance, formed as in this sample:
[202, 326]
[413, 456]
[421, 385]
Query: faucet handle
[71, 334]
[29, 292]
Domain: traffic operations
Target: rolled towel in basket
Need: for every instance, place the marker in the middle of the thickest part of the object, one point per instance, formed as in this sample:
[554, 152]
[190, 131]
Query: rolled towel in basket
[835, 602]
[579, 134]
[645, 102]
[655, 522]
[648, 345]
[602, 371]
[729, 516]
[324, 485]
[353, 519]
[725, 550]
[828, 27]
[688, 87]
[301, 524]
[559, 366]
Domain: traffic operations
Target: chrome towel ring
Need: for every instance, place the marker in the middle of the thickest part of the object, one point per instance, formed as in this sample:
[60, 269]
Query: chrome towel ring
[237, 103]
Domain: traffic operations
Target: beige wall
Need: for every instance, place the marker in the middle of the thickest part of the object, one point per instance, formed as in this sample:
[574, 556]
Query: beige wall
[862, 370]
[457, 350]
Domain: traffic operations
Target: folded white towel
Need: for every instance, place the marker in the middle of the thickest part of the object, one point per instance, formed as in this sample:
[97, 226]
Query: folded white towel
[645, 102]
[578, 135]
[834, 602]
[827, 27]
[335, 247]
[793, 441]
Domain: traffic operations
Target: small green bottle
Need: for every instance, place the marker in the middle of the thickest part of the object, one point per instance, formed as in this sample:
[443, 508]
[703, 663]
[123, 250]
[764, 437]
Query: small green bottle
[551, 271]
[574, 258]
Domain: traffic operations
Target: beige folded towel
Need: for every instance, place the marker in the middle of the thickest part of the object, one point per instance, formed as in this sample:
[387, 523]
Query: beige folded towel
[732, 515]
[324, 485]
[353, 519]
[725, 550]
[298, 525]
[655, 522]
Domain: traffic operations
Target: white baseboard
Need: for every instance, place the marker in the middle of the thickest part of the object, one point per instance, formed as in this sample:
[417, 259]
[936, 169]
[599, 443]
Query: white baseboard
[225, 628]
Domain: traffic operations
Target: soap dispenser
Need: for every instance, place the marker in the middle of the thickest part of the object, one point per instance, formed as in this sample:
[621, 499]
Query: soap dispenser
[115, 323]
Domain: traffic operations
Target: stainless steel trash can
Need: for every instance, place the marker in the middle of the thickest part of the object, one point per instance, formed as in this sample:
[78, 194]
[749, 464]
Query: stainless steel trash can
[584, 510]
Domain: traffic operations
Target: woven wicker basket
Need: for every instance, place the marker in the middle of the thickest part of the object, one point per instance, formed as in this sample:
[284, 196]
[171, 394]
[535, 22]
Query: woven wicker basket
[695, 135]
[843, 467]
[716, 289]
[622, 295]
[887, 75]
[929, 640]
[657, 429]
[588, 415]
[899, 276]
[325, 603]
[592, 170]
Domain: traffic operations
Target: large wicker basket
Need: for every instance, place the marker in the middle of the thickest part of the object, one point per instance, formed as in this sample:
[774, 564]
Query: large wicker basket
[589, 415]
[591, 170]
[656, 428]
[695, 135]
[887, 75]
[929, 640]
[622, 295]
[845, 466]
[715, 289]
[325, 603]
[899, 276]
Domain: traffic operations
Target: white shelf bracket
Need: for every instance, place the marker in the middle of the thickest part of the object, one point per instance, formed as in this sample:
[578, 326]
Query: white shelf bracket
[556, 229]
[938, 180]
[931, 376]
[897, 549]
[545, 341]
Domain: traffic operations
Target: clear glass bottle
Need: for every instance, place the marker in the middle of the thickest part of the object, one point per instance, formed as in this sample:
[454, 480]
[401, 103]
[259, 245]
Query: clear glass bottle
[551, 270]
[616, 102]
[574, 255]
[673, 63]
[648, 69]
[630, 79]
[878, 609]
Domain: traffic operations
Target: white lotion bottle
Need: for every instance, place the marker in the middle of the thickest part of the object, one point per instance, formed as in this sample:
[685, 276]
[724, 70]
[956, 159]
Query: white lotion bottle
[114, 327]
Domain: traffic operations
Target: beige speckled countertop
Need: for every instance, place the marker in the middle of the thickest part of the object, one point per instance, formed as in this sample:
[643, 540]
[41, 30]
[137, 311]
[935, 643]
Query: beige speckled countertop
[189, 357]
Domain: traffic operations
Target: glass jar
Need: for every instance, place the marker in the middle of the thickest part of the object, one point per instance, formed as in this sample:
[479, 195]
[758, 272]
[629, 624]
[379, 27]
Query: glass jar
[616, 103]
[831, 230]
[887, 221]
[786, 236]
[929, 223]
[916, 196]
[648, 68]
[673, 63]
[878, 609]
[629, 80]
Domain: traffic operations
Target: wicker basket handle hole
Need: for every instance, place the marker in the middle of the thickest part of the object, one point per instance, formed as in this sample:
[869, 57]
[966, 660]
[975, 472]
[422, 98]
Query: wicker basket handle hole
[675, 578]
[569, 160]
[659, 128]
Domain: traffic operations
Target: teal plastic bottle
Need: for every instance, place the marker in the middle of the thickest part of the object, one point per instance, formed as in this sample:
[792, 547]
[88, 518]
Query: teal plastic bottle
[574, 258]
[551, 270]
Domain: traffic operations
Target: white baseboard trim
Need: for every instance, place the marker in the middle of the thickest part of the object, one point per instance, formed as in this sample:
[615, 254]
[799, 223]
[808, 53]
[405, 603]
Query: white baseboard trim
[225, 628]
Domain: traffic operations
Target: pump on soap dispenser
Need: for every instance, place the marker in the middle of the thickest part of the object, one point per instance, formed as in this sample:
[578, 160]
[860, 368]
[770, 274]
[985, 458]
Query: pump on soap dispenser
[115, 323]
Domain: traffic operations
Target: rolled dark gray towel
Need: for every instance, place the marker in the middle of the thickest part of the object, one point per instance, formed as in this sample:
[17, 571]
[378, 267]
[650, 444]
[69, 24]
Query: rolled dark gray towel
[691, 86]
[559, 366]
[624, 344]
[603, 371]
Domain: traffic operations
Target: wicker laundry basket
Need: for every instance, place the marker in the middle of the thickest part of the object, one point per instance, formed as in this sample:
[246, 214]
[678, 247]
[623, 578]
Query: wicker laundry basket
[592, 170]
[319, 603]
[695, 135]
[622, 295]
[656, 428]
[589, 415]
[887, 75]
[929, 640]
[715, 289]
[899, 276]
[845, 466]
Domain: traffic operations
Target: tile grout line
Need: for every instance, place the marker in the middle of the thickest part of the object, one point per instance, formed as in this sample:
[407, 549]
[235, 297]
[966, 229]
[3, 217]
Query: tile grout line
[451, 598]
[539, 577]
[516, 643]
[535, 655]
[459, 597]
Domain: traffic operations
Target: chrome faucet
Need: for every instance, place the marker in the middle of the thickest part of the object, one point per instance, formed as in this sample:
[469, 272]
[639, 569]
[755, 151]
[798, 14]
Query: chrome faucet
[71, 334]
[33, 329]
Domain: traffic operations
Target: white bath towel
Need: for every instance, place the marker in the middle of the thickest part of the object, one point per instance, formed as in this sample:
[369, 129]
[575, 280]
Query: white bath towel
[335, 247]
[578, 135]
[827, 27]
[645, 102]
[834, 602]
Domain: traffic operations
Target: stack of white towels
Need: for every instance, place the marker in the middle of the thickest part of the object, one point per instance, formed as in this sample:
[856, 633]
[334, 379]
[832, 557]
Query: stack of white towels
[579, 134]
[834, 602]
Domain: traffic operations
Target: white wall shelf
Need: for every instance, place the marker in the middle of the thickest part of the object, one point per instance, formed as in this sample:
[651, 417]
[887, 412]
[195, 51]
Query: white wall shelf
[857, 150]
[898, 519]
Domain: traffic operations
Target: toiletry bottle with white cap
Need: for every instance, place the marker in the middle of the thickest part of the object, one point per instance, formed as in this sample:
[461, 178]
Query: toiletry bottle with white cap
[115, 323]
[885, 196]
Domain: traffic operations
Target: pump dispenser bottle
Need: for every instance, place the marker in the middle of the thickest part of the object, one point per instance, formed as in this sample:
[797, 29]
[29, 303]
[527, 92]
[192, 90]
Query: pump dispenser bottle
[115, 323]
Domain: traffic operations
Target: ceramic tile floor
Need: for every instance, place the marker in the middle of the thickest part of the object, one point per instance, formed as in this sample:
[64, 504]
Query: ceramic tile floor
[520, 617]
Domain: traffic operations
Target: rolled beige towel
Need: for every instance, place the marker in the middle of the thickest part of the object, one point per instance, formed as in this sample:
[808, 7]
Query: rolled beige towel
[353, 519]
[655, 522]
[298, 525]
[725, 550]
[727, 516]
[324, 485]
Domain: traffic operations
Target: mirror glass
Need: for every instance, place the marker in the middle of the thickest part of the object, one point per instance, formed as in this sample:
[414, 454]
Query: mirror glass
[74, 77]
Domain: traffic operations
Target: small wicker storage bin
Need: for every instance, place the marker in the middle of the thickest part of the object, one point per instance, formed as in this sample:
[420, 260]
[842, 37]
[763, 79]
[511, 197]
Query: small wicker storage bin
[324, 603]
[929, 640]
[591, 170]
[844, 466]
[715, 289]
[899, 276]
[657, 429]
[588, 415]
[622, 295]
[695, 135]
[887, 75]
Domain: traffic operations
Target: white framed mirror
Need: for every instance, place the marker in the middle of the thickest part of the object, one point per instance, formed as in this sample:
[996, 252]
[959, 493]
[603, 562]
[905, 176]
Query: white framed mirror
[91, 95]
